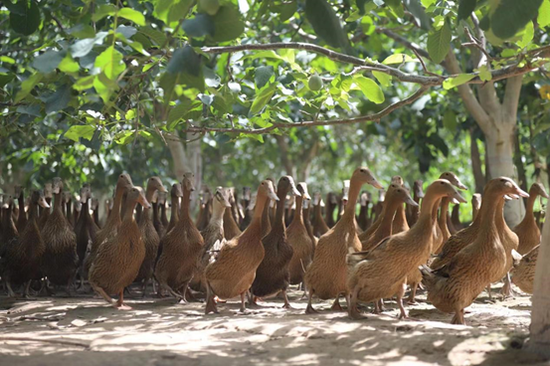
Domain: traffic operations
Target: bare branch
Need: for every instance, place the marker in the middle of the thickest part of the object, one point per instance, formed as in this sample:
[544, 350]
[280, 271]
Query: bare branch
[511, 96]
[283, 125]
[470, 101]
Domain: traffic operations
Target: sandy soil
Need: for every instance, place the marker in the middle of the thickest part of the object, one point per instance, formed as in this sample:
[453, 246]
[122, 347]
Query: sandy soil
[159, 332]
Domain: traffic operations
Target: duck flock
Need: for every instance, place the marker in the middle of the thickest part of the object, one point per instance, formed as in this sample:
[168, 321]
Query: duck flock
[254, 246]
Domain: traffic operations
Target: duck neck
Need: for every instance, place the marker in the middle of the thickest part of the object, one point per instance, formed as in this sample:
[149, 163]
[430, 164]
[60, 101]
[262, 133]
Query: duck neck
[185, 202]
[349, 209]
[529, 216]
[218, 211]
[174, 210]
[298, 214]
[388, 213]
[255, 226]
[499, 221]
[278, 224]
[400, 216]
[265, 214]
[33, 211]
[146, 212]
[58, 201]
[129, 211]
[428, 214]
[442, 220]
[114, 215]
[21, 204]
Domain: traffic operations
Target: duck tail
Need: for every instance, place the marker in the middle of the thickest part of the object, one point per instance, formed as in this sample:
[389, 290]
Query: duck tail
[428, 277]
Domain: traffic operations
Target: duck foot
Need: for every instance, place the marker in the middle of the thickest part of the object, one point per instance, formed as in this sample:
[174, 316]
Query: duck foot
[119, 305]
[311, 310]
[336, 306]
[354, 314]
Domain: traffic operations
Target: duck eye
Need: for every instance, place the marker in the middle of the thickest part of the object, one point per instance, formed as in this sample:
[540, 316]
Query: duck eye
[441, 183]
[503, 180]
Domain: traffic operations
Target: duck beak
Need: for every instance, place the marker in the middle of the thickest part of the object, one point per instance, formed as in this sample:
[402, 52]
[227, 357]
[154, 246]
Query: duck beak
[271, 194]
[296, 191]
[461, 186]
[43, 203]
[375, 184]
[521, 192]
[411, 202]
[459, 198]
[510, 197]
[306, 196]
[162, 189]
[143, 201]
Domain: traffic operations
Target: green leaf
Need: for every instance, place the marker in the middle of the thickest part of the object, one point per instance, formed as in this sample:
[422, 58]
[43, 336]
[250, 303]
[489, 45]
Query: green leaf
[439, 43]
[383, 78]
[417, 10]
[103, 11]
[396, 6]
[172, 10]
[83, 47]
[428, 3]
[133, 15]
[484, 73]
[58, 100]
[509, 16]
[48, 61]
[110, 62]
[199, 26]
[286, 9]
[104, 87]
[465, 8]
[262, 98]
[154, 35]
[398, 58]
[544, 14]
[262, 75]
[227, 24]
[27, 86]
[527, 36]
[68, 65]
[84, 83]
[124, 137]
[24, 16]
[326, 24]
[370, 89]
[457, 80]
[82, 31]
[76, 132]
[449, 120]
[185, 60]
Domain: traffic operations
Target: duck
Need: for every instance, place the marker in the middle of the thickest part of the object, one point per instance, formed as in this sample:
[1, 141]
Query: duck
[175, 194]
[182, 248]
[85, 227]
[413, 212]
[45, 212]
[527, 230]
[213, 235]
[476, 205]
[303, 244]
[68, 201]
[21, 215]
[149, 234]
[443, 223]
[453, 221]
[343, 199]
[396, 195]
[272, 275]
[23, 253]
[319, 225]
[232, 273]
[400, 223]
[230, 226]
[454, 287]
[306, 211]
[523, 273]
[110, 228]
[266, 217]
[327, 275]
[383, 272]
[205, 208]
[60, 258]
[248, 208]
[119, 258]
[378, 206]
[363, 218]
[162, 198]
[332, 203]
[94, 206]
[157, 203]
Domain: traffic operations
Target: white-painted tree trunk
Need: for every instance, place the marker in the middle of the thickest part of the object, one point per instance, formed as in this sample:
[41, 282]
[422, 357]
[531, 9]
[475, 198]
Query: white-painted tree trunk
[540, 314]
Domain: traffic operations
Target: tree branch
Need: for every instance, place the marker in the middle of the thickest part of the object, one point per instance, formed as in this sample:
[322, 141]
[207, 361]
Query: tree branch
[470, 101]
[511, 96]
[282, 125]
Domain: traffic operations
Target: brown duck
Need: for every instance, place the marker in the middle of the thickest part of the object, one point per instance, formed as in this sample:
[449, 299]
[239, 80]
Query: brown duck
[319, 225]
[85, 228]
[22, 215]
[119, 258]
[230, 227]
[213, 235]
[298, 237]
[454, 287]
[327, 275]
[175, 195]
[383, 273]
[149, 235]
[60, 258]
[363, 218]
[181, 248]
[413, 212]
[523, 274]
[527, 230]
[272, 275]
[45, 212]
[23, 252]
[234, 270]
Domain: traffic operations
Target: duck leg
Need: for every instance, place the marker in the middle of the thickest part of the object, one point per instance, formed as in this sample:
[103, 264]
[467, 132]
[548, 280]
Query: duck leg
[120, 302]
[101, 292]
[309, 308]
[210, 303]
[11, 293]
[353, 312]
[144, 287]
[412, 296]
[27, 294]
[286, 305]
[488, 289]
[458, 318]
[507, 290]
[336, 304]
[400, 293]
[243, 303]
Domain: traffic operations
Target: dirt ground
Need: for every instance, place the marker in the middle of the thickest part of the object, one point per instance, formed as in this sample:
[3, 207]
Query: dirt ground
[84, 331]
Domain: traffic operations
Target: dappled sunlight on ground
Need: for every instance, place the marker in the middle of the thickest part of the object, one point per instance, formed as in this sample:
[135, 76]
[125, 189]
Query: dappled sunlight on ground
[86, 331]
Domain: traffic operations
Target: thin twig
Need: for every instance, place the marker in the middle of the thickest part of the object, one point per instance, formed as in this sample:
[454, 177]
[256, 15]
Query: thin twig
[38, 340]
[424, 64]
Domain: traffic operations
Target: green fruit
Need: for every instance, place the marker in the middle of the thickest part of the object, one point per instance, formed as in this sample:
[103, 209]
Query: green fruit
[315, 83]
[210, 7]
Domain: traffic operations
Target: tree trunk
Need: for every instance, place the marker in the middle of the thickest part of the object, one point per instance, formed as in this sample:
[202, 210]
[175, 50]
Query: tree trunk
[476, 163]
[500, 152]
[195, 155]
[540, 313]
[184, 161]
[518, 161]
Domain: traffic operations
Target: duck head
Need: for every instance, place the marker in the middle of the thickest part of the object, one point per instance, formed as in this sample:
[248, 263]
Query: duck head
[538, 189]
[267, 189]
[302, 188]
[221, 197]
[445, 188]
[85, 193]
[124, 182]
[417, 189]
[57, 185]
[48, 190]
[39, 198]
[137, 194]
[156, 183]
[187, 183]
[364, 175]
[455, 181]
[507, 187]
[176, 190]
